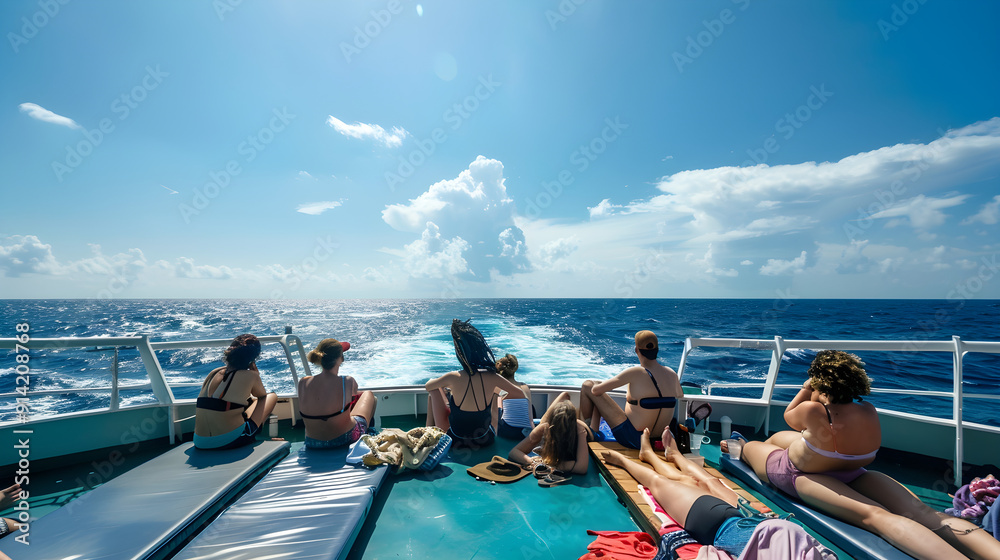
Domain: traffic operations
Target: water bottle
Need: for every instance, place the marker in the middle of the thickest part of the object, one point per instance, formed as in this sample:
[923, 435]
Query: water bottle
[727, 426]
[272, 426]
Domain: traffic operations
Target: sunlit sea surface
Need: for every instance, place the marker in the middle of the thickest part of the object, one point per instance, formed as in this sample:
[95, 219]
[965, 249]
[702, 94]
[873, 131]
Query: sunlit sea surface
[557, 341]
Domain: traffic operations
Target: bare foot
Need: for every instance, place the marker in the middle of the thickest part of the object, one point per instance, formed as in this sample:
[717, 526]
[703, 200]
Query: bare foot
[646, 452]
[614, 458]
[9, 495]
[671, 454]
[667, 439]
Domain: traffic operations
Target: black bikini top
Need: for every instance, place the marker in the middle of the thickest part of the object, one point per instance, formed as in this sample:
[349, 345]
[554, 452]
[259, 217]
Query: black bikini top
[653, 403]
[216, 402]
[348, 406]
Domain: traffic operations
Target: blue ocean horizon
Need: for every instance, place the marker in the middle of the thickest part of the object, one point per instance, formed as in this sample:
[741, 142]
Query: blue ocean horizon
[557, 341]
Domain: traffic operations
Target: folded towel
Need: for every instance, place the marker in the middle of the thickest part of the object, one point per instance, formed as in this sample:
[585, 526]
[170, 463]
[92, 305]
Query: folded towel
[357, 452]
[406, 450]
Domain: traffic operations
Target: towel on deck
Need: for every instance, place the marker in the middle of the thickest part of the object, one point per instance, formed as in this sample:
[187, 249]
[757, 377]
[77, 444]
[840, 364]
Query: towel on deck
[402, 449]
[620, 545]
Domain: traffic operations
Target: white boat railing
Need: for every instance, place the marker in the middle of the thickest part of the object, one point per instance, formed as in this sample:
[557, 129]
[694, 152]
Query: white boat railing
[162, 389]
[956, 347]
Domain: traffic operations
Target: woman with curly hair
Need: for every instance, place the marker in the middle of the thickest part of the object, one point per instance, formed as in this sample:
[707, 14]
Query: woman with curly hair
[233, 402]
[562, 437]
[822, 465]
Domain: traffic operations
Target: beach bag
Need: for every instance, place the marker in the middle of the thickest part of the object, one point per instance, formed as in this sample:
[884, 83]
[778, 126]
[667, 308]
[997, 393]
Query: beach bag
[440, 451]
[471, 348]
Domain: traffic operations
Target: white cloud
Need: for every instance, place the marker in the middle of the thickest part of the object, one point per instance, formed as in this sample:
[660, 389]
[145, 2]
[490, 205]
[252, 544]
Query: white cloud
[778, 267]
[128, 265]
[317, 208]
[706, 264]
[37, 112]
[727, 203]
[603, 208]
[475, 208]
[754, 213]
[433, 256]
[555, 255]
[989, 214]
[185, 267]
[22, 254]
[306, 175]
[361, 131]
[747, 263]
[923, 213]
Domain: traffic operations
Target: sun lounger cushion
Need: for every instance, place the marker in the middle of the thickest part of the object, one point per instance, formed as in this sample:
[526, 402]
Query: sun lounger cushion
[311, 505]
[146, 511]
[853, 540]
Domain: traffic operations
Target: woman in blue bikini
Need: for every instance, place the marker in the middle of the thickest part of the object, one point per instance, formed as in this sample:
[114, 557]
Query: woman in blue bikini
[335, 413]
[652, 395]
[822, 464]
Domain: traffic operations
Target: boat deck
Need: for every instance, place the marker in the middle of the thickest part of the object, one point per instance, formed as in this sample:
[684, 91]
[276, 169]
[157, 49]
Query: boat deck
[448, 514]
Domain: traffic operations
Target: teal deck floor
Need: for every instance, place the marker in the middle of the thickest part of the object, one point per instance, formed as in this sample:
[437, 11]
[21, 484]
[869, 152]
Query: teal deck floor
[447, 514]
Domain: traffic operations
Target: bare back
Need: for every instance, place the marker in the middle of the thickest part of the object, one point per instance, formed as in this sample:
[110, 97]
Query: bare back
[855, 430]
[324, 394]
[215, 422]
[641, 385]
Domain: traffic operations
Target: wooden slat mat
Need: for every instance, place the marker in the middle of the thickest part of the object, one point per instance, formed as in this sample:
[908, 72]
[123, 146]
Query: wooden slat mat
[627, 488]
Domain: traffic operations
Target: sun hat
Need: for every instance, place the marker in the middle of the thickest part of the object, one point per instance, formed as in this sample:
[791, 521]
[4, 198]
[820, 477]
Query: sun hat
[498, 470]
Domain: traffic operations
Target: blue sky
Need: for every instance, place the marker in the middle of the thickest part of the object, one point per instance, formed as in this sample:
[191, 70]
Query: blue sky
[480, 149]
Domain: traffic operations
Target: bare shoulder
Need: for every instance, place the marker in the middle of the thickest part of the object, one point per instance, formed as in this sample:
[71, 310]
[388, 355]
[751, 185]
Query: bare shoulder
[630, 373]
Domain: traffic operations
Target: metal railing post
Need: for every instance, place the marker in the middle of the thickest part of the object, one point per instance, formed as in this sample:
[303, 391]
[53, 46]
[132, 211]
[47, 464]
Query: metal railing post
[772, 378]
[158, 382]
[114, 380]
[957, 409]
[305, 367]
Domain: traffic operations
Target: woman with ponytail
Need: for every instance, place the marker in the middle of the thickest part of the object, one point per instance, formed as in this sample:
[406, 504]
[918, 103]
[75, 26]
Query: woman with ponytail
[335, 412]
[516, 418]
[233, 403]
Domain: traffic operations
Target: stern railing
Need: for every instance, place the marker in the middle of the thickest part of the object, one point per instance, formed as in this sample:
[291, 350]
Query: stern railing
[779, 346]
[161, 388]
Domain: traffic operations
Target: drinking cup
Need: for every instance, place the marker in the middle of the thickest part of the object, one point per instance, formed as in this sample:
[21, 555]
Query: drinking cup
[735, 447]
[696, 441]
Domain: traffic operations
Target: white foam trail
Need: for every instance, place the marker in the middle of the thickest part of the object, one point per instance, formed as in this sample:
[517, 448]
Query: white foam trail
[544, 357]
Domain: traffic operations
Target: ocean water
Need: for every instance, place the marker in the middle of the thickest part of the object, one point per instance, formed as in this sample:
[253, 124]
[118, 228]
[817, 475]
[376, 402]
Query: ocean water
[557, 341]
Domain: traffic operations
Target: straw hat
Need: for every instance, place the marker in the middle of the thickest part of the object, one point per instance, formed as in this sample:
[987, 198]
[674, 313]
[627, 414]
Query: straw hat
[498, 470]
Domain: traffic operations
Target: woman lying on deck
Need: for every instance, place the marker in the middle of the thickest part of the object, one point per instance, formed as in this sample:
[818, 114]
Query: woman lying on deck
[698, 501]
[823, 463]
[563, 439]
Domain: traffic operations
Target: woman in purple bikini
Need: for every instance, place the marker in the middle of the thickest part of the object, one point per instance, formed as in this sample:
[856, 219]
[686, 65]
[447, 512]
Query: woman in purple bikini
[822, 465]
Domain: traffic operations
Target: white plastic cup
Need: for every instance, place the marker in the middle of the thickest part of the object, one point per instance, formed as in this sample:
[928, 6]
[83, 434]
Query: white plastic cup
[696, 441]
[735, 447]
